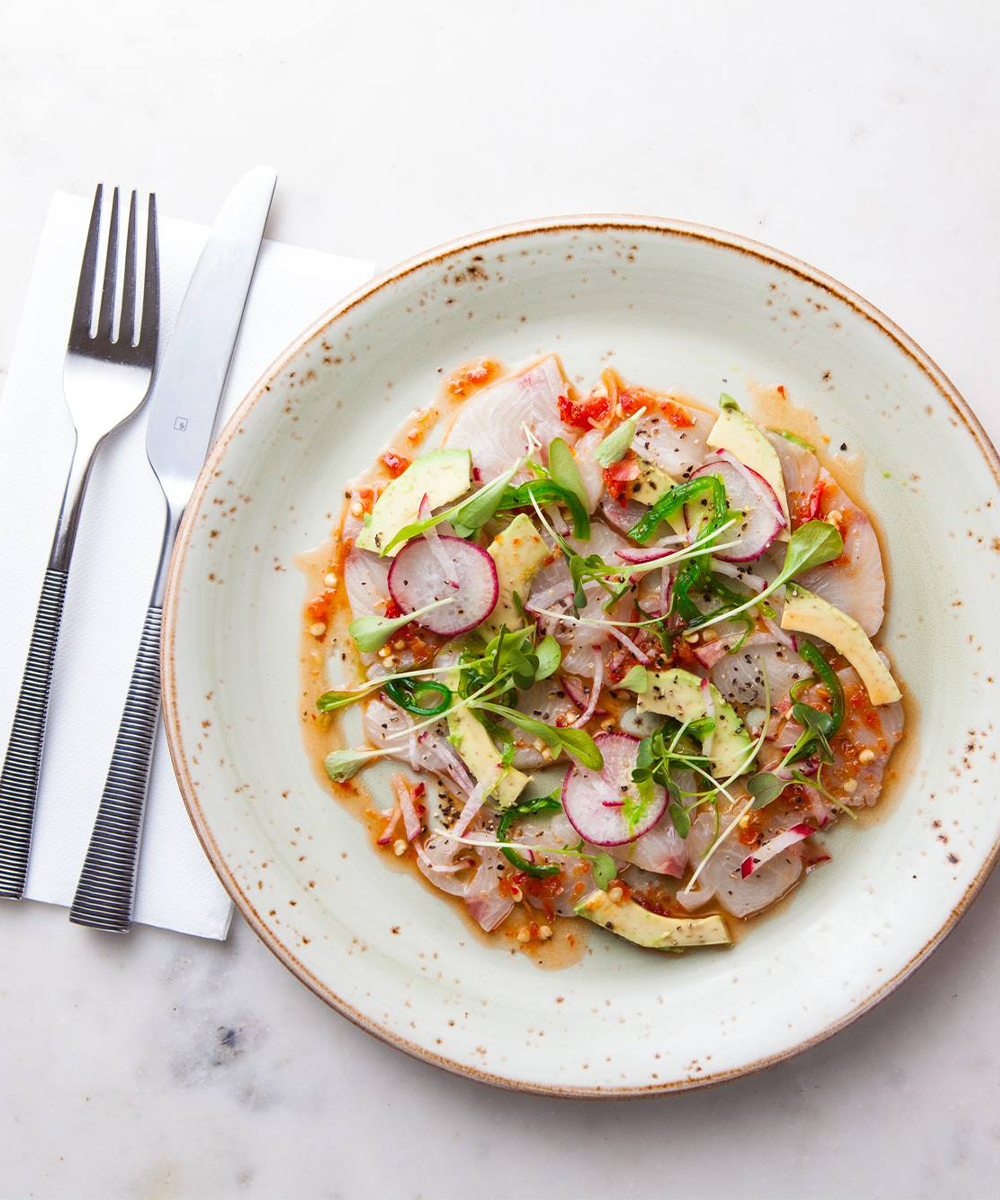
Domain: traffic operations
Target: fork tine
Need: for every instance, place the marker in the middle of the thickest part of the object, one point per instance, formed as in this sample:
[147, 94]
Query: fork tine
[84, 307]
[126, 326]
[105, 322]
[149, 330]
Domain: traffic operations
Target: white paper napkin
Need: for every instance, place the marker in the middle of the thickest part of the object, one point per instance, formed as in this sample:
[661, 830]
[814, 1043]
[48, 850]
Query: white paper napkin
[115, 557]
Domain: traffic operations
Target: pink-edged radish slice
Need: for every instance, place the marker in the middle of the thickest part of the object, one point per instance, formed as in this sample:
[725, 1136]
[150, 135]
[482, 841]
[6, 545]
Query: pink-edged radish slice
[416, 579]
[595, 801]
[771, 849]
[751, 495]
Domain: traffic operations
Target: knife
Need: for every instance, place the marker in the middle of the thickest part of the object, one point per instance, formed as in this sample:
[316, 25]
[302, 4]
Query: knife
[182, 408]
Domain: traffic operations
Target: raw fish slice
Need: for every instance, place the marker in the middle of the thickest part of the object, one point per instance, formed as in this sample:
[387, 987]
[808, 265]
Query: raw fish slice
[661, 850]
[489, 423]
[854, 582]
[740, 897]
[740, 676]
[865, 728]
[678, 451]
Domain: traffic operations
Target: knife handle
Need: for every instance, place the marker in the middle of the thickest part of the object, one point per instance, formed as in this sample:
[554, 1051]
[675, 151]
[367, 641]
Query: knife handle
[107, 882]
[19, 778]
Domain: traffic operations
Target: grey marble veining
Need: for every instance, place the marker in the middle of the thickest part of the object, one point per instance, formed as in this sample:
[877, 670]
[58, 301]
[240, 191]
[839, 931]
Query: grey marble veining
[860, 137]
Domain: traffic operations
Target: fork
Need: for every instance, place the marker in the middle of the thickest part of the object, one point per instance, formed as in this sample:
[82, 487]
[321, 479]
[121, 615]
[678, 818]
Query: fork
[106, 378]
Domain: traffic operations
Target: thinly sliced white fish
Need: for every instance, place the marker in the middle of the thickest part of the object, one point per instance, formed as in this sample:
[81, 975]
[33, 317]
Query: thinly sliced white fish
[854, 582]
[676, 451]
[546, 702]
[799, 470]
[721, 877]
[661, 850]
[366, 580]
[482, 895]
[866, 727]
[740, 676]
[489, 423]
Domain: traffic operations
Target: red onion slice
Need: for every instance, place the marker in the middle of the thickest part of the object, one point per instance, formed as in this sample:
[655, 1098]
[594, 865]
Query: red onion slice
[432, 535]
[627, 642]
[411, 822]
[771, 849]
[595, 692]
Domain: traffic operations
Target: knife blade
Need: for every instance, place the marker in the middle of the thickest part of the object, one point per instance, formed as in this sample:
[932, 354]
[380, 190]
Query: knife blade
[183, 406]
[189, 384]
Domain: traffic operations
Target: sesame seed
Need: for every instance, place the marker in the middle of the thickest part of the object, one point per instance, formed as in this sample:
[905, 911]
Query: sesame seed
[399, 847]
[866, 756]
[851, 786]
[318, 629]
[330, 580]
[357, 508]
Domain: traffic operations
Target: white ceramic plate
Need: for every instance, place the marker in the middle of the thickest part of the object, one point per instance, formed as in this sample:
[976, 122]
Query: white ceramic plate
[670, 306]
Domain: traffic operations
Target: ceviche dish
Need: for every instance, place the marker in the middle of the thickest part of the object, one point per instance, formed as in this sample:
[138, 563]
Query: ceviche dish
[614, 652]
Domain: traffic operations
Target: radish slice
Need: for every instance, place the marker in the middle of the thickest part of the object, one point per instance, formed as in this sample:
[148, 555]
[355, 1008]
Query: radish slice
[415, 579]
[590, 798]
[754, 497]
[771, 849]
[432, 535]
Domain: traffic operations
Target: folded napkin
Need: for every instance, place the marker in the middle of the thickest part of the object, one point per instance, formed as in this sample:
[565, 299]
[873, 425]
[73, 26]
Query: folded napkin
[115, 557]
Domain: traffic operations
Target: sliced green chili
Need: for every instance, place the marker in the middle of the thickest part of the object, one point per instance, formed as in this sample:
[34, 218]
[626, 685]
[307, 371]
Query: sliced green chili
[416, 696]
[828, 678]
[669, 505]
[526, 808]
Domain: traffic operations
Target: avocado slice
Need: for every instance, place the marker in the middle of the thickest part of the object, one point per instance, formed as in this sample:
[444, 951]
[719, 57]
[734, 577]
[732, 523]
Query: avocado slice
[637, 924]
[652, 484]
[678, 693]
[518, 553]
[441, 476]
[478, 752]
[736, 432]
[806, 612]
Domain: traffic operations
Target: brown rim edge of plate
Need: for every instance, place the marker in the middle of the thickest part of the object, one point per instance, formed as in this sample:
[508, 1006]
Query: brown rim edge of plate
[615, 223]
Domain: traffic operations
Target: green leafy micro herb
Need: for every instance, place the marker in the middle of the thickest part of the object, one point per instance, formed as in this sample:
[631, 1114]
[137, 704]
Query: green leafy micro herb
[680, 816]
[618, 442]
[372, 633]
[793, 437]
[548, 491]
[636, 679]
[341, 765]
[603, 869]
[565, 472]
[817, 729]
[809, 546]
[576, 742]
[765, 787]
[548, 652]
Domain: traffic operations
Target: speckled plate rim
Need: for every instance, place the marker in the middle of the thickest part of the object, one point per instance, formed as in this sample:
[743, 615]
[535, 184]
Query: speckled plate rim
[557, 225]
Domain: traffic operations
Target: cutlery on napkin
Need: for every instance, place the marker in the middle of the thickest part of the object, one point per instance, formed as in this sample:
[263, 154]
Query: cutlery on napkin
[116, 552]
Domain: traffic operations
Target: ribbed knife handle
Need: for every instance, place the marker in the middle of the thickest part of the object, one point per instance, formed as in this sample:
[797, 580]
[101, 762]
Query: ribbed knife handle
[107, 882]
[19, 778]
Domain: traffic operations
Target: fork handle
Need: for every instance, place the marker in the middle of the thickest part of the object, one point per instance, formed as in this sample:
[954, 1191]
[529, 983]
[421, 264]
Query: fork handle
[19, 778]
[107, 882]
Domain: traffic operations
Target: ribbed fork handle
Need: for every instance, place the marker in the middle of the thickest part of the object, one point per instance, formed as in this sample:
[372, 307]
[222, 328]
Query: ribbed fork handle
[107, 882]
[19, 778]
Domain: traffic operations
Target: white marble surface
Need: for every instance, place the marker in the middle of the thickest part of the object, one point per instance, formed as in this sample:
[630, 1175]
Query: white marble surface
[861, 137]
